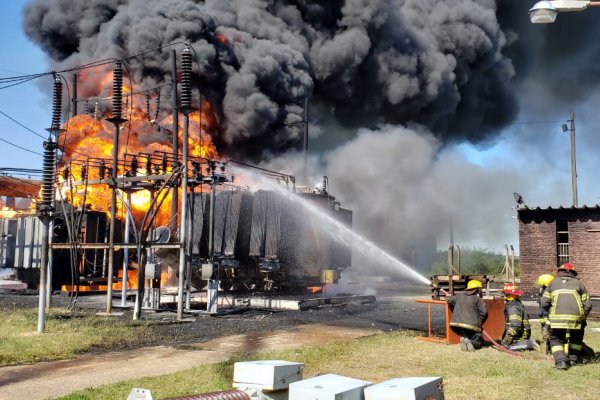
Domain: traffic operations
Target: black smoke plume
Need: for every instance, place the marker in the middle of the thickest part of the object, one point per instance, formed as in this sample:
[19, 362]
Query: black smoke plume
[440, 63]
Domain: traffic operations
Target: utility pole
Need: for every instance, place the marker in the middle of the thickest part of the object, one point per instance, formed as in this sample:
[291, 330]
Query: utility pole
[571, 129]
[117, 120]
[45, 205]
[175, 102]
[305, 144]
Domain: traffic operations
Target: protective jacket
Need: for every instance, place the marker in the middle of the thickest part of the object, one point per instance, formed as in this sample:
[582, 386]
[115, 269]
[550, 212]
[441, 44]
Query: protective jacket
[543, 314]
[468, 310]
[566, 301]
[516, 320]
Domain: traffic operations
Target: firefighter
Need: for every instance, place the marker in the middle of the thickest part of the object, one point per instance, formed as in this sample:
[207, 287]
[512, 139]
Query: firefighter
[517, 331]
[542, 282]
[568, 305]
[468, 314]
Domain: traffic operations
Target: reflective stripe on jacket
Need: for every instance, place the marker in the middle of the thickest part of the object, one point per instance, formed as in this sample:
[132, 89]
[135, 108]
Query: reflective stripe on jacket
[468, 310]
[566, 301]
[516, 320]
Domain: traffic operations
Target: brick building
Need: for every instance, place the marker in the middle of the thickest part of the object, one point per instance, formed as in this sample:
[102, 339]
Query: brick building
[552, 236]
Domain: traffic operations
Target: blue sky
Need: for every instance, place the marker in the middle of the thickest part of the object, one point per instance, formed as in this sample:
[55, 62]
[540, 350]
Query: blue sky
[26, 103]
[537, 153]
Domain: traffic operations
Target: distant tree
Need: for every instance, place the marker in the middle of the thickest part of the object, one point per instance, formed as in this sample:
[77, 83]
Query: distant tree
[474, 261]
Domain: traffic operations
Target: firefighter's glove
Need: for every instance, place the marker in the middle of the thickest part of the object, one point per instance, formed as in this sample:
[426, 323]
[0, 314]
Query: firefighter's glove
[545, 333]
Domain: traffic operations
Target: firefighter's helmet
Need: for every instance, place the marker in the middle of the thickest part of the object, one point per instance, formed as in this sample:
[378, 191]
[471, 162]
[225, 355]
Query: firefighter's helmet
[474, 284]
[568, 267]
[545, 280]
[512, 290]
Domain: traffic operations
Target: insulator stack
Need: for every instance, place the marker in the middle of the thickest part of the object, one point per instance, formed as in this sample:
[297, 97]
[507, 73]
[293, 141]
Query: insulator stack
[186, 79]
[84, 171]
[197, 168]
[48, 171]
[164, 164]
[66, 173]
[102, 170]
[56, 103]
[134, 166]
[148, 166]
[117, 97]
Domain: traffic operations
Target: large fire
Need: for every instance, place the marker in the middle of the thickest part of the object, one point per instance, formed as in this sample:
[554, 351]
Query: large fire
[87, 142]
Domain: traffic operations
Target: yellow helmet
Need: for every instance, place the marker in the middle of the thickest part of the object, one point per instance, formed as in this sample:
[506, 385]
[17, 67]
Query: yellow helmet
[474, 284]
[545, 279]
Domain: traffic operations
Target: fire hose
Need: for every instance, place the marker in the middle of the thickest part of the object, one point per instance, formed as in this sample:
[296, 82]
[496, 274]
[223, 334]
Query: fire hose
[225, 395]
[489, 338]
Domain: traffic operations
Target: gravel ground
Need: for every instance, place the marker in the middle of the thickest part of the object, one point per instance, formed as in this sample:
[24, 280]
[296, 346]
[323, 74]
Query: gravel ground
[393, 310]
[387, 313]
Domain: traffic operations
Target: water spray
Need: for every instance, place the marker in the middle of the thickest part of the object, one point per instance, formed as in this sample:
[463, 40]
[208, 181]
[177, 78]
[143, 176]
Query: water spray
[342, 233]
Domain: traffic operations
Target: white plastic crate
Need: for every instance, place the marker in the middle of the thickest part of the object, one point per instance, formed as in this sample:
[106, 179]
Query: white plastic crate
[266, 374]
[421, 388]
[328, 387]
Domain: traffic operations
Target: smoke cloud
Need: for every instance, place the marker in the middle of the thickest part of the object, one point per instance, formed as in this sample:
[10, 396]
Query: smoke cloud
[437, 63]
[393, 84]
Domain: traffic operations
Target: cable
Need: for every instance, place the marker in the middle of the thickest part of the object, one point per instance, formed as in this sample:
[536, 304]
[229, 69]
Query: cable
[20, 124]
[19, 147]
[17, 80]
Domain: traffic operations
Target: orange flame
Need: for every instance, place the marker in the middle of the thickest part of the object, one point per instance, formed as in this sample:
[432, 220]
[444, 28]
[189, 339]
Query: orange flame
[86, 139]
[7, 212]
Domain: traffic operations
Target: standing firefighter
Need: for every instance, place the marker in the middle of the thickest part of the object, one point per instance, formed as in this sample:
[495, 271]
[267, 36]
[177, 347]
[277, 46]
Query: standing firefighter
[468, 314]
[568, 306]
[517, 331]
[543, 281]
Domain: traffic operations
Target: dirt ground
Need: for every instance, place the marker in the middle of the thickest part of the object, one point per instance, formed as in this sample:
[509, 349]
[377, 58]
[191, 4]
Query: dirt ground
[174, 346]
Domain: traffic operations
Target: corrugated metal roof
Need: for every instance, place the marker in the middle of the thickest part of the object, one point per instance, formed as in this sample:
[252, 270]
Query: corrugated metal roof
[19, 187]
[550, 208]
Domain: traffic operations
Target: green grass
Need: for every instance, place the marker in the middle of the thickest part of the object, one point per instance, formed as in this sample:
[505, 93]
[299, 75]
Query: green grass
[66, 335]
[485, 374]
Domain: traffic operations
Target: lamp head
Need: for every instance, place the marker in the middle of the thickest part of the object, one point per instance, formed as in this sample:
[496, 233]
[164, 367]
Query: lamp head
[543, 12]
[565, 128]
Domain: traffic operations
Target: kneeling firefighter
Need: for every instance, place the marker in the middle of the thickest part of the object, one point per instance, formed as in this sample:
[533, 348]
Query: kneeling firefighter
[568, 305]
[468, 315]
[517, 331]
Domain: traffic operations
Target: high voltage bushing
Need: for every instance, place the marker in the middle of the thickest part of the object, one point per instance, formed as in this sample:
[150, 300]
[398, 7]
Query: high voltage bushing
[164, 164]
[148, 166]
[45, 204]
[84, 171]
[186, 79]
[102, 169]
[134, 166]
[117, 98]
[56, 103]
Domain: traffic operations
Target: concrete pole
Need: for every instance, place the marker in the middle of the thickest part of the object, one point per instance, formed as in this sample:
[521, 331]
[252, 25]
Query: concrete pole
[43, 265]
[50, 266]
[117, 121]
[182, 226]
[126, 253]
[573, 162]
[212, 293]
[175, 102]
[113, 216]
[74, 98]
[305, 145]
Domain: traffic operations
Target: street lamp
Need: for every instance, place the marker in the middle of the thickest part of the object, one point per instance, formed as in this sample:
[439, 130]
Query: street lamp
[544, 12]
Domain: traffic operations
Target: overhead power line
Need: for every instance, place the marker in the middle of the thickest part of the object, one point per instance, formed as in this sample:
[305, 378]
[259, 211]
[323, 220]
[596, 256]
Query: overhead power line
[20, 124]
[19, 147]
